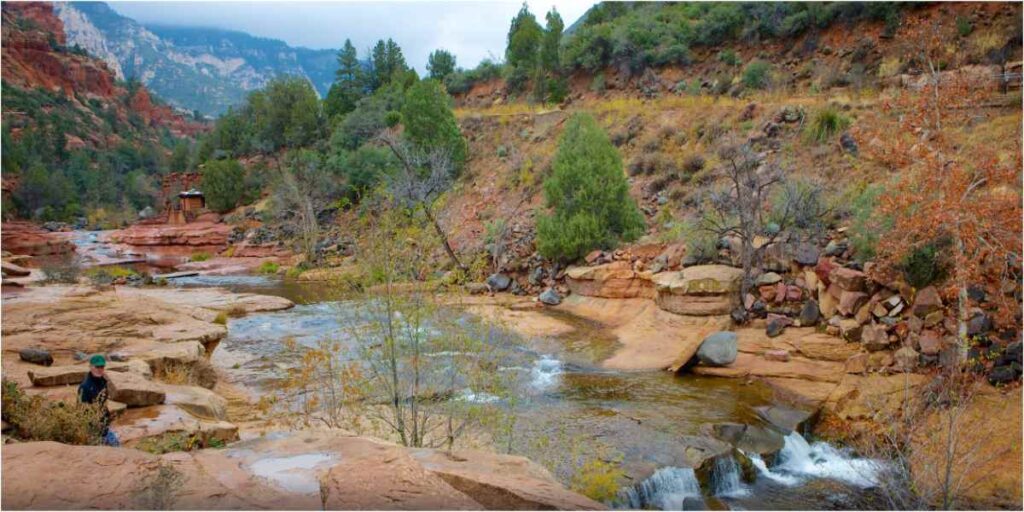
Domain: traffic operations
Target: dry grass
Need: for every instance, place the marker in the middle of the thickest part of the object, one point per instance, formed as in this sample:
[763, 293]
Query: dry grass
[198, 373]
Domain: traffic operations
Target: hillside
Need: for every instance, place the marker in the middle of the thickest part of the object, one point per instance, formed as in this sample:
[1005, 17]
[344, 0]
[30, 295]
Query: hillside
[75, 137]
[201, 69]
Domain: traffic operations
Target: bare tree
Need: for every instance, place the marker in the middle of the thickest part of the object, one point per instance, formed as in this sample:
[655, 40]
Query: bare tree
[424, 175]
[304, 187]
[755, 203]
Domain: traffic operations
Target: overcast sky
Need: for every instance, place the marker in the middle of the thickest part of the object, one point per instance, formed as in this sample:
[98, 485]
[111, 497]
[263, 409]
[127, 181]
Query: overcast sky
[472, 30]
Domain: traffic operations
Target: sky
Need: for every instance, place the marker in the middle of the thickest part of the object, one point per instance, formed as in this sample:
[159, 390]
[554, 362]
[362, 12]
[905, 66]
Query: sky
[472, 30]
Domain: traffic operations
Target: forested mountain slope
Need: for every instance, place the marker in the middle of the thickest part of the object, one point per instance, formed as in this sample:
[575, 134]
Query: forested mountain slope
[202, 69]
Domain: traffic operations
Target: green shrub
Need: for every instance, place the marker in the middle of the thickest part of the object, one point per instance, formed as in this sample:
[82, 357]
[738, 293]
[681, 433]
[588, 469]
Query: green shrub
[268, 267]
[200, 256]
[692, 164]
[756, 75]
[729, 57]
[963, 26]
[827, 123]
[865, 226]
[597, 84]
[925, 265]
[223, 184]
[589, 195]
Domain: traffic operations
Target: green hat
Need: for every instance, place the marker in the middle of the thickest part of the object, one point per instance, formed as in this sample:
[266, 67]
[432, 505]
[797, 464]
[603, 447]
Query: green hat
[97, 360]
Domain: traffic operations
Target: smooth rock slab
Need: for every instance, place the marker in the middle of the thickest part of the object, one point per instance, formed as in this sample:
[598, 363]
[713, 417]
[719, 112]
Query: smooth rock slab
[134, 390]
[75, 374]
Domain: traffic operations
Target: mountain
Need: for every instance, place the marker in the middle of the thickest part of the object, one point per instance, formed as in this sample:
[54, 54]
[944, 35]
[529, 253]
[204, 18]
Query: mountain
[77, 141]
[204, 69]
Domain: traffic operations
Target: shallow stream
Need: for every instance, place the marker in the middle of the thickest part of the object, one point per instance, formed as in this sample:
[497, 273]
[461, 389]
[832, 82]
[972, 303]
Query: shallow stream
[642, 416]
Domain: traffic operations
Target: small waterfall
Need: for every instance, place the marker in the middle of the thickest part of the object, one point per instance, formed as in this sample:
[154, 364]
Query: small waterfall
[664, 490]
[725, 479]
[545, 372]
[800, 460]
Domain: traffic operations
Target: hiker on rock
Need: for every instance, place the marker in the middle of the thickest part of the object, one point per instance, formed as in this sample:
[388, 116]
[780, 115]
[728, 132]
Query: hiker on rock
[93, 390]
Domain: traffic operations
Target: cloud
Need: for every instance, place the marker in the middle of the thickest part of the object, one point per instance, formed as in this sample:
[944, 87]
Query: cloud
[470, 30]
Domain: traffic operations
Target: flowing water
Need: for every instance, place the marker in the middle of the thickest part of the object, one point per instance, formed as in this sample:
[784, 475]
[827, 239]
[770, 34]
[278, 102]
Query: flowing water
[642, 416]
[568, 398]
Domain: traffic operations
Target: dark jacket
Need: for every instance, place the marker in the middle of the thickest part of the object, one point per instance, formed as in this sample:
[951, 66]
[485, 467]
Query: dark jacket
[94, 390]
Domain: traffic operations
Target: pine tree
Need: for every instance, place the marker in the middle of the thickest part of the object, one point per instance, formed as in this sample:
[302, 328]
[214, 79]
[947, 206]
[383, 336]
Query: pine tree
[429, 121]
[349, 82]
[524, 38]
[440, 64]
[589, 195]
[550, 51]
[388, 62]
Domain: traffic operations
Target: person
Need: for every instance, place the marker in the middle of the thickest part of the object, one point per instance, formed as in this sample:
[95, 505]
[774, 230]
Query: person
[93, 390]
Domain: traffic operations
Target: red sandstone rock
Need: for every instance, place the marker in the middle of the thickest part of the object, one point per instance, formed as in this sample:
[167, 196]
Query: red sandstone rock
[26, 238]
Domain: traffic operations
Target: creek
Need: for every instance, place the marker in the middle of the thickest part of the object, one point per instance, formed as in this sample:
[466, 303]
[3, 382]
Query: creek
[642, 415]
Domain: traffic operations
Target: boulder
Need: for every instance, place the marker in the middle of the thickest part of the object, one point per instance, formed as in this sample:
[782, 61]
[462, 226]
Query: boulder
[850, 302]
[767, 278]
[806, 254]
[499, 282]
[907, 358]
[718, 349]
[926, 302]
[134, 390]
[828, 304]
[701, 290]
[979, 324]
[477, 288]
[750, 439]
[1001, 375]
[197, 401]
[930, 342]
[874, 337]
[810, 314]
[848, 279]
[776, 324]
[850, 330]
[857, 363]
[36, 356]
[786, 418]
[550, 297]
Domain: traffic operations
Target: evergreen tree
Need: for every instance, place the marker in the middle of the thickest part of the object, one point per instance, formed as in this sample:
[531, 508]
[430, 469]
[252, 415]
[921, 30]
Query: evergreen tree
[429, 121]
[524, 38]
[223, 184]
[388, 62]
[440, 64]
[550, 51]
[349, 82]
[589, 196]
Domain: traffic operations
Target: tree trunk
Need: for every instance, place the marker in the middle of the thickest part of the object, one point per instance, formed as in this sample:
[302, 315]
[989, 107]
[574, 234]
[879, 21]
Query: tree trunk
[444, 239]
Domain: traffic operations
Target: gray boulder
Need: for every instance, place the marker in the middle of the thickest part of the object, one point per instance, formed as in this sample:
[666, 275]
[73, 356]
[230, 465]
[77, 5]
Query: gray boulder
[499, 282]
[36, 356]
[550, 297]
[810, 315]
[787, 419]
[718, 349]
[806, 254]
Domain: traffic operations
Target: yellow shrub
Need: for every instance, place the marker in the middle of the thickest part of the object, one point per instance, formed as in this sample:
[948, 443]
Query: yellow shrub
[598, 480]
